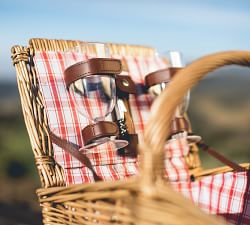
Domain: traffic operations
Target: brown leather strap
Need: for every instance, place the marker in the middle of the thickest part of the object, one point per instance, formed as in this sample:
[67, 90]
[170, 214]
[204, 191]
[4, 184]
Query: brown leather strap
[126, 127]
[131, 149]
[179, 124]
[73, 150]
[160, 76]
[99, 130]
[125, 84]
[221, 158]
[102, 66]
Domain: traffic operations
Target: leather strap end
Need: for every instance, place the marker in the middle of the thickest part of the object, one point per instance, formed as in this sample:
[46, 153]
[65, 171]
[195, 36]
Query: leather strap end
[221, 158]
[131, 149]
[125, 84]
[160, 76]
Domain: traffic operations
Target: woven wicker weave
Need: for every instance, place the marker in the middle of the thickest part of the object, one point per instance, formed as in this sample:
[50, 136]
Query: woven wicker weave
[145, 200]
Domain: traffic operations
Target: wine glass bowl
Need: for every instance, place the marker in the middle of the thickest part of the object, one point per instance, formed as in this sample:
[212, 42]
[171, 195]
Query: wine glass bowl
[94, 96]
[176, 61]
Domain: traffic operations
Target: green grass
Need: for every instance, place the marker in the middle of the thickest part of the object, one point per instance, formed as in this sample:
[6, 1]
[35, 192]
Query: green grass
[15, 145]
[220, 113]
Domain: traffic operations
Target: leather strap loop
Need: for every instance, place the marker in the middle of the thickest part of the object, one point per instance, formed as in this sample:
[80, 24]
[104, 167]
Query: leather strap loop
[99, 130]
[179, 124]
[161, 76]
[94, 66]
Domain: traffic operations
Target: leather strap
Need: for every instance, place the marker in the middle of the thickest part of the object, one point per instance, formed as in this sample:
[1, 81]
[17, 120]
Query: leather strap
[73, 150]
[94, 66]
[160, 76]
[125, 84]
[99, 130]
[131, 149]
[221, 158]
[179, 124]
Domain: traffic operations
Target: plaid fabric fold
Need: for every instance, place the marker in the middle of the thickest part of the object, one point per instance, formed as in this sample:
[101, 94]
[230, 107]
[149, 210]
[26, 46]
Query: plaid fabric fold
[176, 168]
[226, 194]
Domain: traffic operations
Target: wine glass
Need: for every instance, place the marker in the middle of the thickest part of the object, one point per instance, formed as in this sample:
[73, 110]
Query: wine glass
[94, 95]
[175, 60]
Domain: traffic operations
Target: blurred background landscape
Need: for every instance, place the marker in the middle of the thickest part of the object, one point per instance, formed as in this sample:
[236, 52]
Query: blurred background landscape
[220, 105]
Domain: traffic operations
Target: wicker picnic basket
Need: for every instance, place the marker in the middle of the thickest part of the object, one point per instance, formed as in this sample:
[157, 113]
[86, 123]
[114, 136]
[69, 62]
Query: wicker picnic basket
[145, 199]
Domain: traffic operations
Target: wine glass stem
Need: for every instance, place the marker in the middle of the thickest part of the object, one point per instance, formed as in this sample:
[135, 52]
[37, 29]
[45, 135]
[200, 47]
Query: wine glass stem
[98, 119]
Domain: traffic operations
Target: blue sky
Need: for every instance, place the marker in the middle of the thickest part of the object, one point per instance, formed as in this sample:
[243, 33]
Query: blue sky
[194, 27]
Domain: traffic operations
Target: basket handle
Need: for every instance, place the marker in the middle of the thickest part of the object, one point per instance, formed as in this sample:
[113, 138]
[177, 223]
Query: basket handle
[162, 111]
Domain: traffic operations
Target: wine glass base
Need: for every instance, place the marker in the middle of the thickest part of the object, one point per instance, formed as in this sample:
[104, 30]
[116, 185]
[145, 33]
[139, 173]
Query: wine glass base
[117, 144]
[193, 139]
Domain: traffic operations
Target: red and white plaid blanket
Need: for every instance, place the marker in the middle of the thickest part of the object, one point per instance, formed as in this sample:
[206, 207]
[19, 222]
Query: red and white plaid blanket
[225, 194]
[65, 121]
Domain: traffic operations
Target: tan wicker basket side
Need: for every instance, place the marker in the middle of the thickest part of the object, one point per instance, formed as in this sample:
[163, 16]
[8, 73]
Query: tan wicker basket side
[119, 202]
[163, 108]
[51, 174]
[40, 44]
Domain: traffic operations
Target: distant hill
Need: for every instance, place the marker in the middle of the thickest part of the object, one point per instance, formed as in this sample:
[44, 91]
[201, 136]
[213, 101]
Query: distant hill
[231, 76]
[220, 112]
[227, 85]
[8, 89]
[231, 83]
[9, 99]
